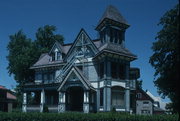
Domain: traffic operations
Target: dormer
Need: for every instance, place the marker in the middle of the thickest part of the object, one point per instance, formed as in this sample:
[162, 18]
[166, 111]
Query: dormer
[56, 52]
[112, 27]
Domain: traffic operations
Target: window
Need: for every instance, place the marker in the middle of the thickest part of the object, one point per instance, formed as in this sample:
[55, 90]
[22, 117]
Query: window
[45, 77]
[58, 56]
[139, 95]
[53, 56]
[51, 98]
[102, 36]
[51, 76]
[146, 104]
[114, 70]
[48, 77]
[145, 111]
[118, 99]
[101, 97]
[111, 35]
[38, 76]
[122, 72]
[120, 37]
[92, 98]
[101, 73]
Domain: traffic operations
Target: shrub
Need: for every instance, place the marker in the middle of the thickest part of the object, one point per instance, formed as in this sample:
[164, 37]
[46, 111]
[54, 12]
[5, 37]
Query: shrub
[113, 110]
[45, 109]
[83, 117]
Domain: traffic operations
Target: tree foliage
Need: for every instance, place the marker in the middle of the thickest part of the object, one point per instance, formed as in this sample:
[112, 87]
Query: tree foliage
[21, 57]
[45, 38]
[23, 53]
[165, 58]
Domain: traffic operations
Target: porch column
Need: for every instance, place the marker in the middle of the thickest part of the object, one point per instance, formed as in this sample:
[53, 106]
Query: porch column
[127, 100]
[42, 100]
[24, 106]
[62, 101]
[98, 99]
[127, 90]
[86, 102]
[108, 86]
[107, 98]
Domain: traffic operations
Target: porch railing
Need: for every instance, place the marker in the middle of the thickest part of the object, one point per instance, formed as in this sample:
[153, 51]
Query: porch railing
[33, 108]
[36, 108]
[52, 108]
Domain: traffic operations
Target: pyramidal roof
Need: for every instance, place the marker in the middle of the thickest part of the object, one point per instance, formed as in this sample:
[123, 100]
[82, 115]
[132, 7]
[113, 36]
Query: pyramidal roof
[112, 13]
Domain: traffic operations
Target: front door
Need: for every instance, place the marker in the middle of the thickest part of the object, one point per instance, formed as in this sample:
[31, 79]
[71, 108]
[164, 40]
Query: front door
[74, 97]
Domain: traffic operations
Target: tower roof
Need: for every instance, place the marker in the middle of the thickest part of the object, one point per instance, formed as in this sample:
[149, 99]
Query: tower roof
[112, 14]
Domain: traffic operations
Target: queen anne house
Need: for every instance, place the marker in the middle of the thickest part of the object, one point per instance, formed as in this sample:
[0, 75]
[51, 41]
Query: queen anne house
[86, 75]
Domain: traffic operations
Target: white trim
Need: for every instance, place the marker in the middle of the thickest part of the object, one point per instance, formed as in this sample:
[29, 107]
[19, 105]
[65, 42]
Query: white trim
[79, 77]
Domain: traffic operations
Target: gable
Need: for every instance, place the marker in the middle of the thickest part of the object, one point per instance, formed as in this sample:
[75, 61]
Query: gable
[56, 47]
[82, 46]
[144, 95]
[75, 75]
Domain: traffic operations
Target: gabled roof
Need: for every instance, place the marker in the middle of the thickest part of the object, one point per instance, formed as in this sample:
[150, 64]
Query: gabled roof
[146, 96]
[77, 39]
[57, 45]
[112, 13]
[63, 48]
[80, 75]
[9, 93]
[44, 61]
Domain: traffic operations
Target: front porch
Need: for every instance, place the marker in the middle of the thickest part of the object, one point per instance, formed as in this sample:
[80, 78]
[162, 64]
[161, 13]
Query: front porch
[75, 98]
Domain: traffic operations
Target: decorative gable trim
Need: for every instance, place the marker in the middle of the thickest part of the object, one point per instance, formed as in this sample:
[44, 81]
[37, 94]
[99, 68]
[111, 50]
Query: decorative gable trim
[81, 78]
[82, 31]
[56, 45]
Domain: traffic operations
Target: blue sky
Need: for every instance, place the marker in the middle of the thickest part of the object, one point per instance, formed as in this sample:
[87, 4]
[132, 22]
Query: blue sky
[69, 16]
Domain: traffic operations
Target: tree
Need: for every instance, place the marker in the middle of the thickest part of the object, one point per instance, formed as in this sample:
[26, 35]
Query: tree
[165, 58]
[45, 38]
[20, 57]
[23, 53]
[169, 107]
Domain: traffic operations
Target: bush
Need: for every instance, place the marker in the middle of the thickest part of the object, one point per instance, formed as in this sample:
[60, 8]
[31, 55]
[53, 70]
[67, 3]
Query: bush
[45, 109]
[83, 117]
[113, 110]
[17, 110]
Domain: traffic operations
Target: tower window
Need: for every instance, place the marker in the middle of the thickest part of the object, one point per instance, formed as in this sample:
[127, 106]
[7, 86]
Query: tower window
[116, 36]
[122, 72]
[111, 35]
[114, 70]
[101, 74]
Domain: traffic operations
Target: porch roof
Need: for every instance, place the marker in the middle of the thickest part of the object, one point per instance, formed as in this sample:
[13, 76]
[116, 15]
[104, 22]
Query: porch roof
[80, 75]
[38, 87]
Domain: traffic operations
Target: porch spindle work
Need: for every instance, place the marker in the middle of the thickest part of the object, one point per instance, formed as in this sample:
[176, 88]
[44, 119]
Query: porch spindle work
[62, 100]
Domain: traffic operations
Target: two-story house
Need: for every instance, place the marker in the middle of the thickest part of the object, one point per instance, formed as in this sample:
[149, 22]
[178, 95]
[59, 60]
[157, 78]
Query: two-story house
[86, 75]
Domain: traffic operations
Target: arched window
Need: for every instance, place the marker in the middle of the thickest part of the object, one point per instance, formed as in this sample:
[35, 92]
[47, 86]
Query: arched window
[117, 98]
